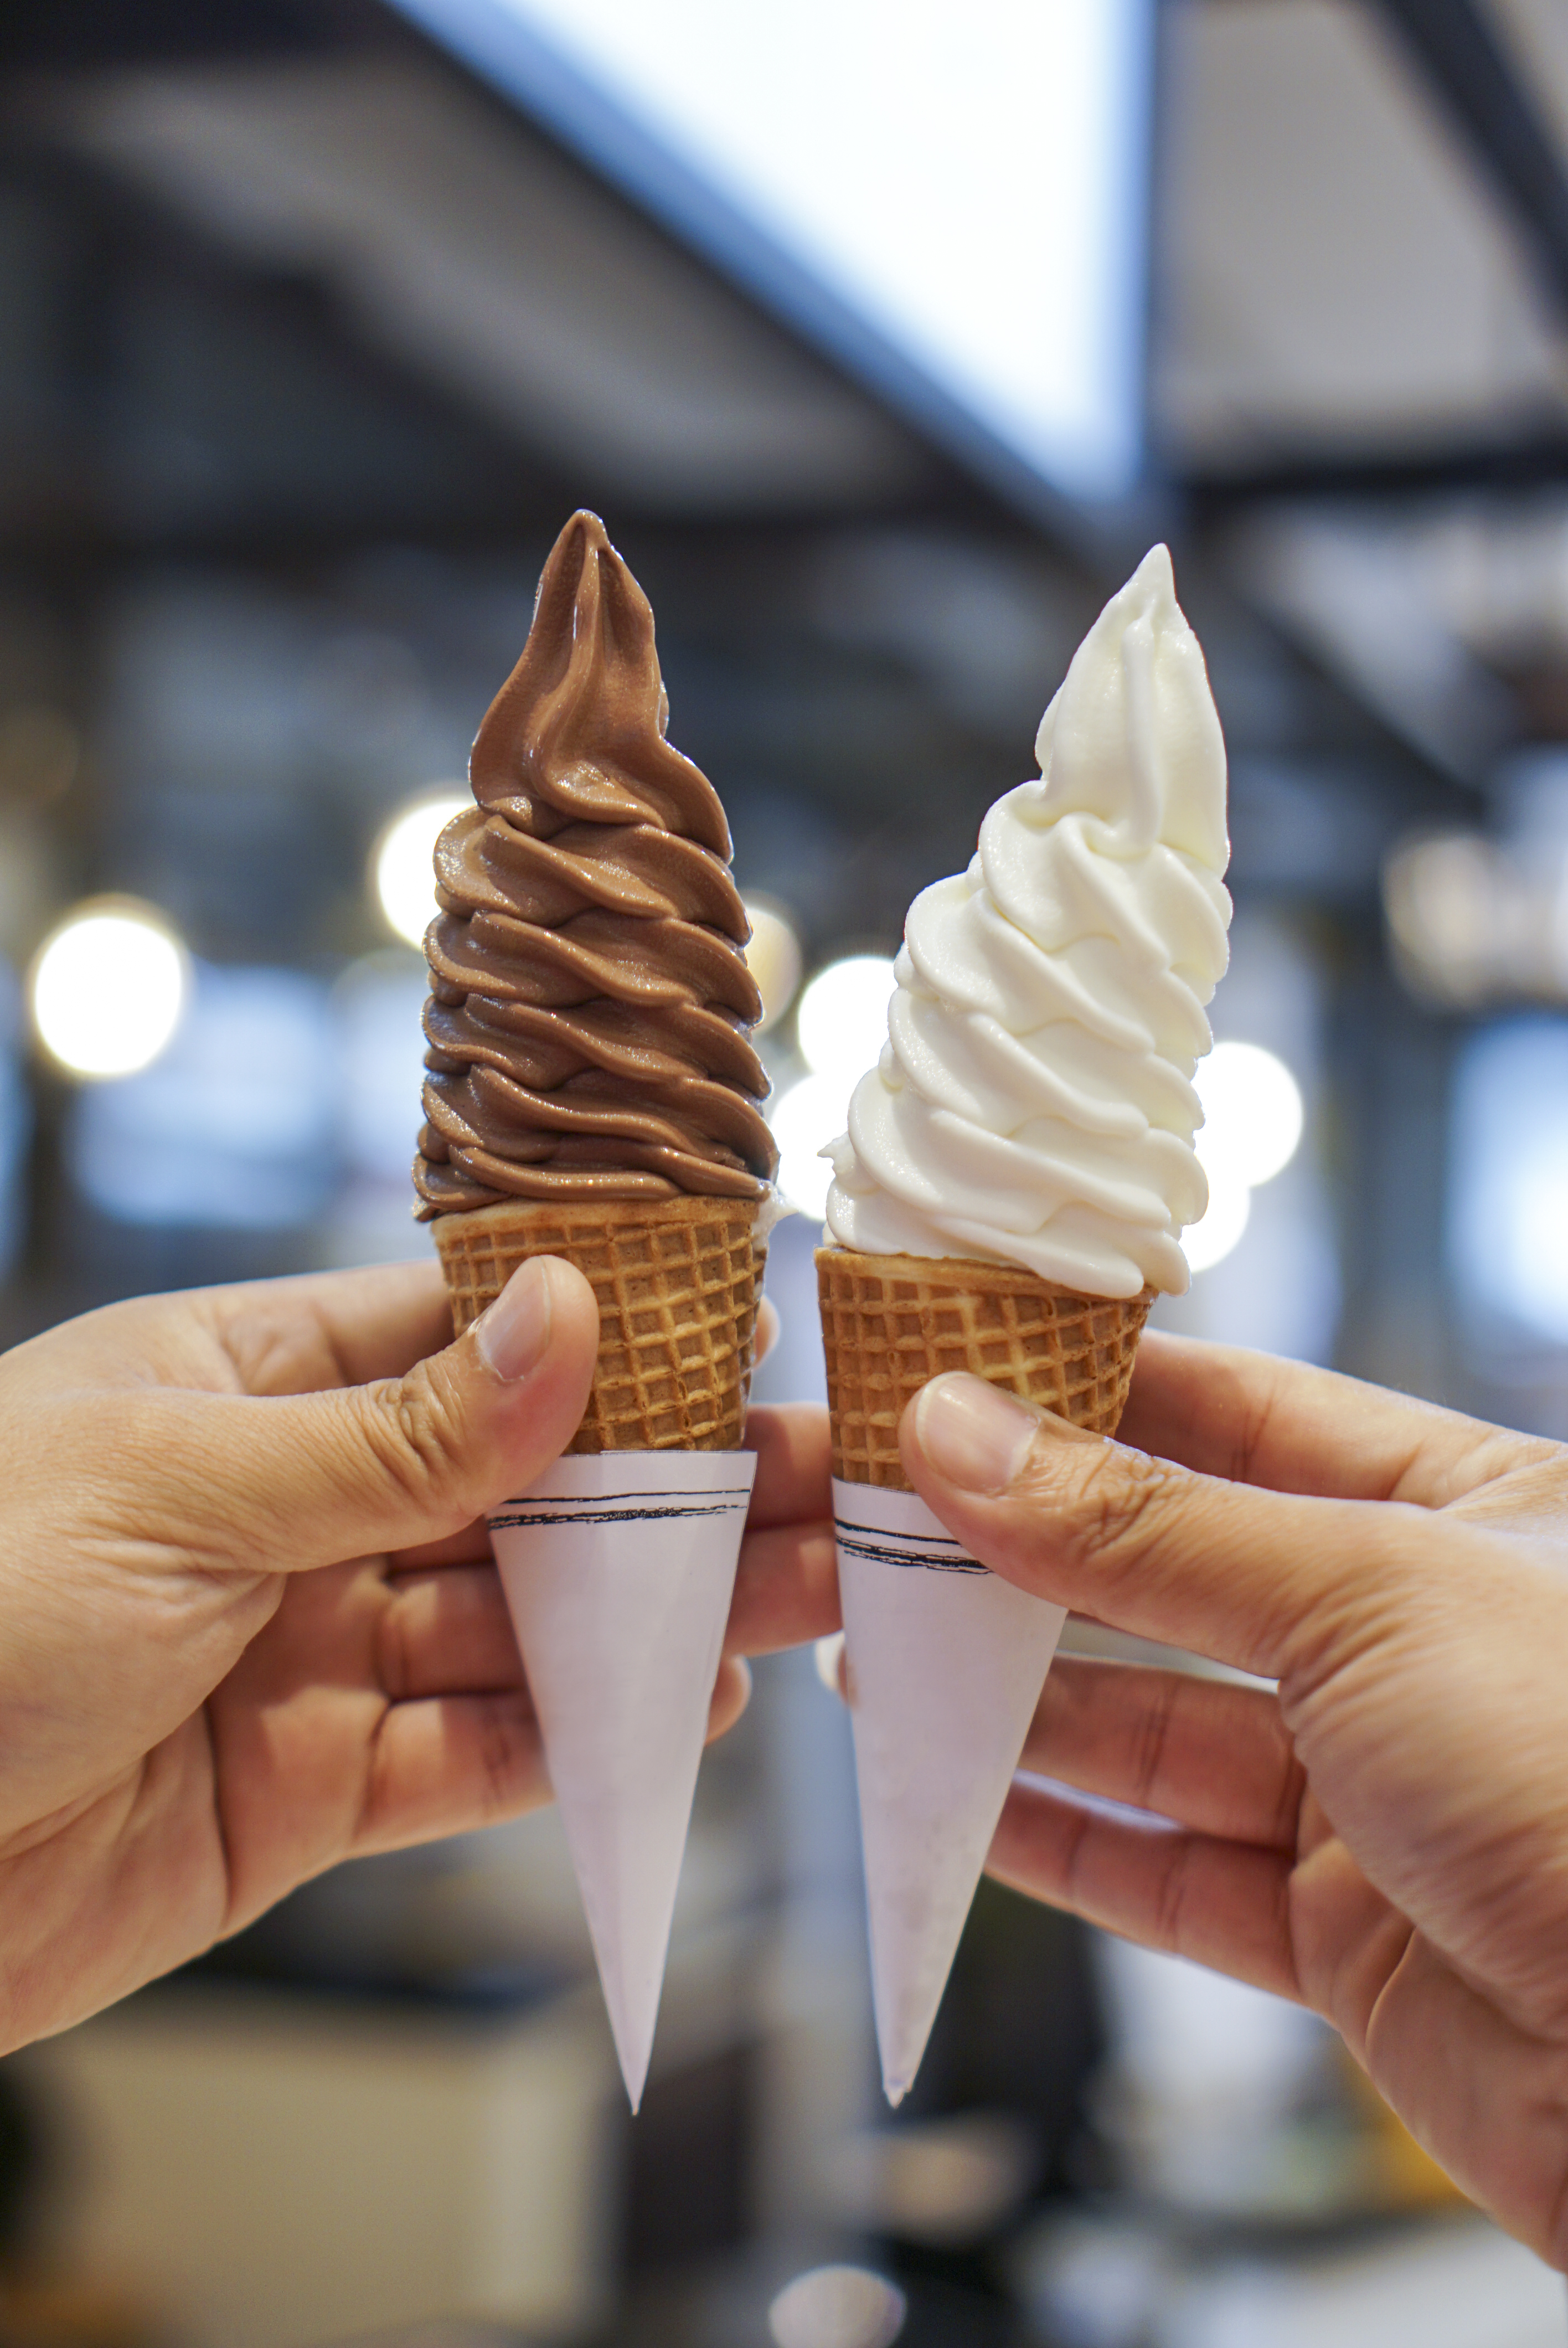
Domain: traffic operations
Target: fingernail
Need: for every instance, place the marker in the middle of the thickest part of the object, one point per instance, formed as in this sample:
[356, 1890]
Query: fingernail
[512, 1334]
[973, 1435]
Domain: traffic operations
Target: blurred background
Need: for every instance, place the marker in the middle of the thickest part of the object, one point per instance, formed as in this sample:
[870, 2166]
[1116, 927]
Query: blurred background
[886, 340]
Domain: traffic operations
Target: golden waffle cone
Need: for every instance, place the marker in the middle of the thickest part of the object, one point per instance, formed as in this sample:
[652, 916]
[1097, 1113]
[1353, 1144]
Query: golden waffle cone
[889, 1322]
[678, 1282]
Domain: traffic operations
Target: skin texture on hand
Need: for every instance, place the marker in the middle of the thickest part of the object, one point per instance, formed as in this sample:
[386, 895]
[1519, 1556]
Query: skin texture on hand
[1386, 1837]
[250, 1624]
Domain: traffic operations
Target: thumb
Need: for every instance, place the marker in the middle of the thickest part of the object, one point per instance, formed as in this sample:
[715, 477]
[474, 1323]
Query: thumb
[1227, 1570]
[303, 1481]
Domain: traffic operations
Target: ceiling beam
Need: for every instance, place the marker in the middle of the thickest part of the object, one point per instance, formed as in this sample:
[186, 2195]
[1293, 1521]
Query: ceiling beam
[1458, 48]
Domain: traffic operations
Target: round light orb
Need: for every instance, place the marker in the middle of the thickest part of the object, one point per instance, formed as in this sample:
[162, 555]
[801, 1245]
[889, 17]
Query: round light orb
[1253, 1114]
[400, 865]
[837, 2307]
[109, 987]
[1209, 1241]
[1452, 902]
[805, 1118]
[842, 1022]
[949, 2181]
[772, 957]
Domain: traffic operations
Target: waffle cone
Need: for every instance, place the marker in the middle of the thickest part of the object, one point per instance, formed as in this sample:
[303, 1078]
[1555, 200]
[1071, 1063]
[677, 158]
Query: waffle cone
[889, 1322]
[678, 1282]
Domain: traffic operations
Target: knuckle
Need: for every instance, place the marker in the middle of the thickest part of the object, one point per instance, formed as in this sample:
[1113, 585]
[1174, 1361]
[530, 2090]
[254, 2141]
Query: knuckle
[393, 1651]
[419, 1429]
[1119, 1502]
[1152, 1739]
[1171, 1896]
[1289, 1825]
[1282, 1930]
[1073, 1857]
[502, 1757]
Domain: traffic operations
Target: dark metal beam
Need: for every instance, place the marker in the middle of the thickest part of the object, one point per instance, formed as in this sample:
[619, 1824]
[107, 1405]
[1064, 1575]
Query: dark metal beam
[1501, 467]
[1457, 46]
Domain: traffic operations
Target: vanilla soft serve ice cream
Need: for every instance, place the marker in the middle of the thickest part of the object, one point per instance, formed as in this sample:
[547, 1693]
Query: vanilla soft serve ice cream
[1034, 1103]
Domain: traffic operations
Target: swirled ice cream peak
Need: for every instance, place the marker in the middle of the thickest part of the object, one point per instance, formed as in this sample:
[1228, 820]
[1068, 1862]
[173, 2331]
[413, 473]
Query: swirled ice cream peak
[1034, 1103]
[590, 1008]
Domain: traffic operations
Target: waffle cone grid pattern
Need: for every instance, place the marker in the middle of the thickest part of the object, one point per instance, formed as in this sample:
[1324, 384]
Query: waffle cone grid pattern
[890, 1322]
[677, 1284]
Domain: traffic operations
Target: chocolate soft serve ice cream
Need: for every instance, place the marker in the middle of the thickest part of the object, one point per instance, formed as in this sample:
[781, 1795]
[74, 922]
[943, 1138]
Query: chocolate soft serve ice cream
[593, 1091]
[589, 999]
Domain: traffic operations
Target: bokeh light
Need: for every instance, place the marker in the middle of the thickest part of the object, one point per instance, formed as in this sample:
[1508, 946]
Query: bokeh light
[1507, 1237]
[773, 957]
[842, 1022]
[1253, 1112]
[841, 1025]
[109, 987]
[1253, 1119]
[805, 1117]
[1211, 1239]
[837, 2307]
[400, 861]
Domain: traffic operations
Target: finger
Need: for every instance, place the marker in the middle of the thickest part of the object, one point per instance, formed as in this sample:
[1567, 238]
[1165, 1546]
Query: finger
[452, 1764]
[794, 1464]
[301, 1480]
[450, 1633]
[786, 1590]
[1251, 1578]
[447, 1632]
[1204, 1753]
[471, 1546]
[732, 1694]
[332, 1328]
[1254, 1419]
[449, 1765]
[264, 1337]
[767, 1336]
[1222, 1904]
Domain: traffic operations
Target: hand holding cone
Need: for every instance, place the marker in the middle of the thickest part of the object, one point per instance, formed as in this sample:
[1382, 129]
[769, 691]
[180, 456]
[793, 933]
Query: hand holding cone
[678, 1282]
[890, 1323]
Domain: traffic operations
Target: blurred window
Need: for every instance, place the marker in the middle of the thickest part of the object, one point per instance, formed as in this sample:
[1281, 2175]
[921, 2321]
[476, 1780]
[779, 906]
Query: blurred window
[971, 183]
[377, 1009]
[1508, 1174]
[233, 1127]
[379, 1043]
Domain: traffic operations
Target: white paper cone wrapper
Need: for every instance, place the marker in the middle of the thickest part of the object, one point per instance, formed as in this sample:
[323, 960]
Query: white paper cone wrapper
[946, 1663]
[618, 1569]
